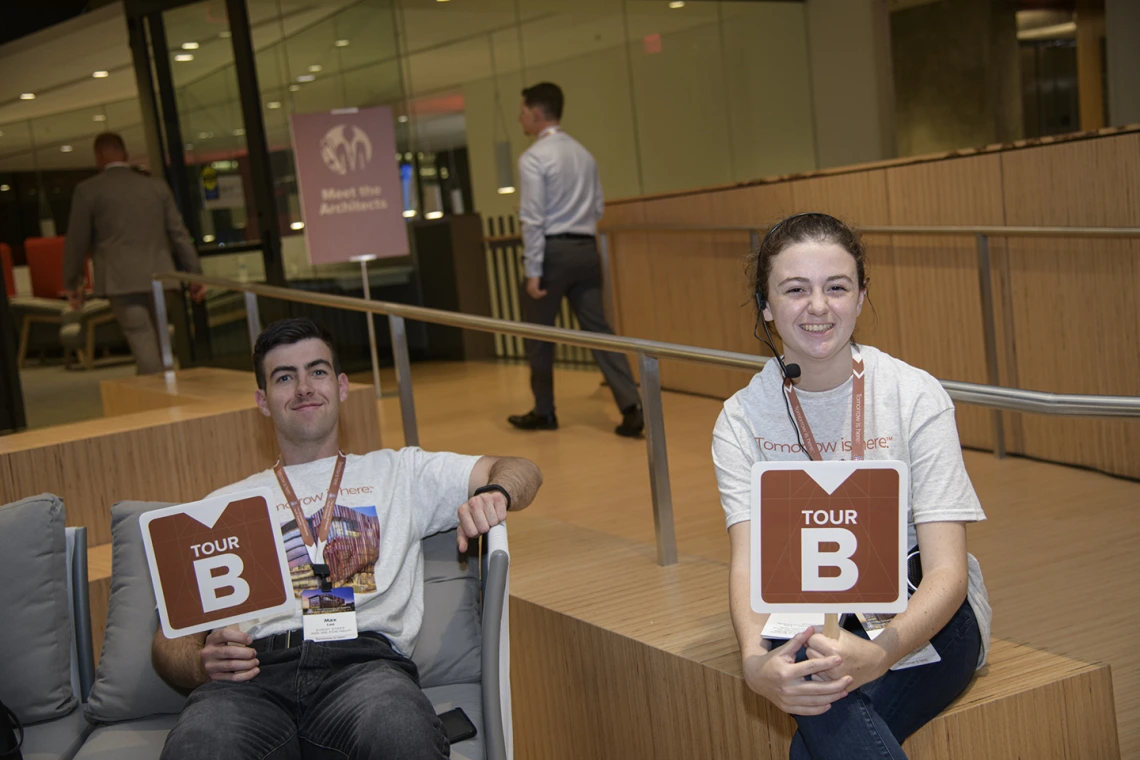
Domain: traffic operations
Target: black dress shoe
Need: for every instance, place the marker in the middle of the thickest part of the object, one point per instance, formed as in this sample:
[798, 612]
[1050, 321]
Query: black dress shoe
[632, 423]
[533, 421]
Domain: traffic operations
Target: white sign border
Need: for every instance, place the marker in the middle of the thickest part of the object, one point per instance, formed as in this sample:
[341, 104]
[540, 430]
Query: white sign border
[290, 604]
[829, 469]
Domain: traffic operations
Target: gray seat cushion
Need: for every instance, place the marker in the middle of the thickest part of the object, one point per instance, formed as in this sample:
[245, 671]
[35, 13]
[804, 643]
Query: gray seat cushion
[35, 669]
[57, 739]
[126, 685]
[469, 697]
[133, 740]
[448, 648]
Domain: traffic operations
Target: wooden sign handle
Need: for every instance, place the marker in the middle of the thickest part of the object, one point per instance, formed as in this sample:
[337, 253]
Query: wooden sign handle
[831, 625]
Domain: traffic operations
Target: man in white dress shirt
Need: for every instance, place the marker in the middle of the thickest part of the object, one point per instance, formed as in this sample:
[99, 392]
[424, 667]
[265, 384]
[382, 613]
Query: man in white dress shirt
[560, 205]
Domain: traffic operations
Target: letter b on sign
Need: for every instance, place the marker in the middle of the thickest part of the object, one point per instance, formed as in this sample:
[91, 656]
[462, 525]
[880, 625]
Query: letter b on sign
[211, 582]
[813, 559]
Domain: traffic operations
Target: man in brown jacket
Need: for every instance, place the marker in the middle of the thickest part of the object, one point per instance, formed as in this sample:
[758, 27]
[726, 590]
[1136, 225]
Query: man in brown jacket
[131, 225]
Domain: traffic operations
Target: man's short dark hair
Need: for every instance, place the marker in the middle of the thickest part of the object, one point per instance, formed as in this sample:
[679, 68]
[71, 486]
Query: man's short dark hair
[286, 332]
[545, 95]
[110, 140]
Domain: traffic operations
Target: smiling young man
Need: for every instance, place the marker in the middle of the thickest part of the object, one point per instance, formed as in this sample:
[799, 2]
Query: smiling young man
[263, 690]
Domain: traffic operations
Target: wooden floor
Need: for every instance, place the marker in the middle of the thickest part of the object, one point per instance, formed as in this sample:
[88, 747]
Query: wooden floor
[1059, 550]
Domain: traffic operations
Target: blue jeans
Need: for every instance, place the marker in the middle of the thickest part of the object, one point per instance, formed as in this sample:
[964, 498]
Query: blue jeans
[873, 721]
[342, 699]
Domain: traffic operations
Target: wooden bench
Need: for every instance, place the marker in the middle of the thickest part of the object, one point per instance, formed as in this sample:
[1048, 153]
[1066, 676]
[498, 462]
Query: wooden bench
[615, 657]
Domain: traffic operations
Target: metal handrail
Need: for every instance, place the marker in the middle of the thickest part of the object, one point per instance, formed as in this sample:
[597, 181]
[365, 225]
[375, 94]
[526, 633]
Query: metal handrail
[997, 397]
[649, 352]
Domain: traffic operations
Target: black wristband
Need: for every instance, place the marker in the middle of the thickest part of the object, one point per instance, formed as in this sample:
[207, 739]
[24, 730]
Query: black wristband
[494, 487]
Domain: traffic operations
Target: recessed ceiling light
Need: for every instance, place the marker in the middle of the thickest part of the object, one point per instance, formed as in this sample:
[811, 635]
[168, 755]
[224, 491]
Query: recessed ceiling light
[189, 45]
[315, 68]
[27, 96]
[65, 149]
[341, 43]
[273, 105]
[238, 132]
[297, 226]
[183, 57]
[99, 117]
[306, 78]
[677, 4]
[208, 238]
[100, 74]
[4, 188]
[409, 213]
[294, 87]
[433, 215]
[225, 34]
[401, 118]
[506, 190]
[441, 1]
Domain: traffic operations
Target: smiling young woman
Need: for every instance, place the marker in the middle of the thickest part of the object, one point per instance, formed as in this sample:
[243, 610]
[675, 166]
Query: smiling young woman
[810, 281]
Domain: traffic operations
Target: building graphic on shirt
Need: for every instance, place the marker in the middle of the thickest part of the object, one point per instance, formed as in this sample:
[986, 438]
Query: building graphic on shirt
[351, 553]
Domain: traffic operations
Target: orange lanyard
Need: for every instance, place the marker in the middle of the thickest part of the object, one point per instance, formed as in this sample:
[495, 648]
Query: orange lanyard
[858, 445]
[316, 548]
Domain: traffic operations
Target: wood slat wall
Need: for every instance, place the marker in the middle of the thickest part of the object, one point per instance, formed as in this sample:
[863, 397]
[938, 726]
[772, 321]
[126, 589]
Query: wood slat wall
[1067, 312]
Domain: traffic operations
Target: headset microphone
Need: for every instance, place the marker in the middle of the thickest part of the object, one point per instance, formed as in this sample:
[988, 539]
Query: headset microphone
[790, 371]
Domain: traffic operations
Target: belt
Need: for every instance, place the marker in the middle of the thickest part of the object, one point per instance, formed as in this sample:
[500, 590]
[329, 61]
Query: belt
[570, 236]
[296, 637]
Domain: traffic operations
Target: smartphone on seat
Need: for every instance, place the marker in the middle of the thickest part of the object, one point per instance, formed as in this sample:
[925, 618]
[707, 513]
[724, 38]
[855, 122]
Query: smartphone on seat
[457, 726]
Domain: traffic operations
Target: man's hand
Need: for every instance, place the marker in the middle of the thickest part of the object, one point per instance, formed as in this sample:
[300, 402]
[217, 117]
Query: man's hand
[198, 292]
[861, 660]
[534, 288]
[77, 297]
[228, 657]
[777, 677]
[479, 514]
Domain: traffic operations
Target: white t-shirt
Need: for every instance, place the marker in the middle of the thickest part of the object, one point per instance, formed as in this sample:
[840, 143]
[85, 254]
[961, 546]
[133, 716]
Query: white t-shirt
[389, 501]
[909, 418]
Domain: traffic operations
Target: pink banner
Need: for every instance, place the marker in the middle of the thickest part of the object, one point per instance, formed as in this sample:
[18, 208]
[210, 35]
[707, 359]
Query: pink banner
[349, 183]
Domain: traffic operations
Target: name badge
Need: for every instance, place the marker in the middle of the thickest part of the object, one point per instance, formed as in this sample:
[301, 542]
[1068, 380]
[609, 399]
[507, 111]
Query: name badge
[329, 615]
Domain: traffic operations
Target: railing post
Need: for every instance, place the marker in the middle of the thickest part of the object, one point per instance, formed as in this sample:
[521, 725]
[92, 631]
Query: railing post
[371, 327]
[161, 326]
[985, 280]
[252, 318]
[404, 379]
[607, 279]
[658, 460]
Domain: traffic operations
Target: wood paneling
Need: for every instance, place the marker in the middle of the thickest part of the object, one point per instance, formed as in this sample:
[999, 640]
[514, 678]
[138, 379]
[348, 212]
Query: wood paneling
[1075, 308]
[937, 301]
[1067, 318]
[175, 454]
[633, 661]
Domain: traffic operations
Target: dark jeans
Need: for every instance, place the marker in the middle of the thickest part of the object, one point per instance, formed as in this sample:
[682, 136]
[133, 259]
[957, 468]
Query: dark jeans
[343, 699]
[873, 721]
[572, 268]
